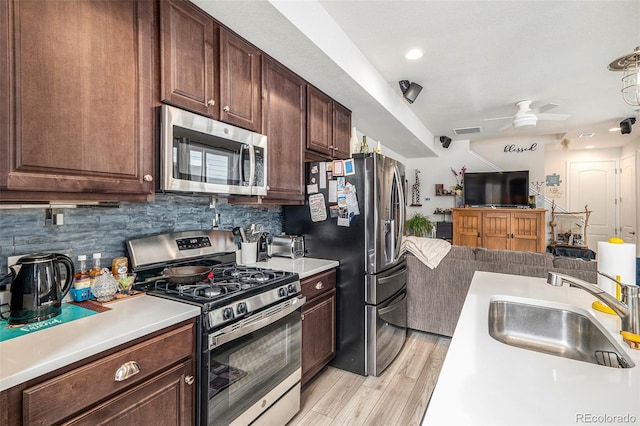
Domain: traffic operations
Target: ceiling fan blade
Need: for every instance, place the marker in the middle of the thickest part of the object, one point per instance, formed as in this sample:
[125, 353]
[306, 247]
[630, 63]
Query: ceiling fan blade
[499, 118]
[545, 108]
[508, 126]
[553, 117]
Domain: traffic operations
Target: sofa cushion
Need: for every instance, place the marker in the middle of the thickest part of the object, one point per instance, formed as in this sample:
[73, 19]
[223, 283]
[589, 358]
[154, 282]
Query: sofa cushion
[571, 263]
[435, 296]
[514, 269]
[461, 253]
[511, 257]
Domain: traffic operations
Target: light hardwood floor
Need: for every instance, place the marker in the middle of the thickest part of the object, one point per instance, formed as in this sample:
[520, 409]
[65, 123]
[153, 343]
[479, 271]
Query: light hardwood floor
[398, 397]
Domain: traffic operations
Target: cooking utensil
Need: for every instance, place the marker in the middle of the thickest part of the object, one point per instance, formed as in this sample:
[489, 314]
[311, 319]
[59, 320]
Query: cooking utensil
[243, 235]
[256, 232]
[37, 289]
[183, 274]
[236, 233]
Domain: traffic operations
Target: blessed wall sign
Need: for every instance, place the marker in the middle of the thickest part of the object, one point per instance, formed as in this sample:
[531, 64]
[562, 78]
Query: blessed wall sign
[519, 149]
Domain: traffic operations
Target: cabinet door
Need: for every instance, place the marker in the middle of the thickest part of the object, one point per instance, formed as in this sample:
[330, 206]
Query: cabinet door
[284, 123]
[495, 230]
[318, 334]
[319, 122]
[188, 57]
[466, 228]
[167, 399]
[527, 231]
[341, 131]
[240, 98]
[80, 100]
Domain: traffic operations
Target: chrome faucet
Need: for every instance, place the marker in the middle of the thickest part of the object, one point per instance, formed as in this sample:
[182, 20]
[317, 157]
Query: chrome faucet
[628, 309]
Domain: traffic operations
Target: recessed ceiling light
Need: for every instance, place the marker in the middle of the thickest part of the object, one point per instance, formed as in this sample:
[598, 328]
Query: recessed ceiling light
[589, 147]
[614, 129]
[414, 54]
[587, 135]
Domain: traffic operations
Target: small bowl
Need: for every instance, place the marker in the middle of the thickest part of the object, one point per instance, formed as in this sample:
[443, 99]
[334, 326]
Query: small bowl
[125, 282]
[105, 288]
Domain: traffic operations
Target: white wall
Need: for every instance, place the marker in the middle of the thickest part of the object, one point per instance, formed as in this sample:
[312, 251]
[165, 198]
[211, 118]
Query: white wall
[516, 154]
[490, 155]
[438, 171]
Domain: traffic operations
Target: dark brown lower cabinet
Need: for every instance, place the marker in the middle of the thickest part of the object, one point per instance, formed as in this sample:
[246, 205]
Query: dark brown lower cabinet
[318, 323]
[86, 393]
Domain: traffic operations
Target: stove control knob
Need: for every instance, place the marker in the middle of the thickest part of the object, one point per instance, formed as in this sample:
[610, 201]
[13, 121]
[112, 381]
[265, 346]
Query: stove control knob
[292, 288]
[282, 292]
[241, 308]
[227, 313]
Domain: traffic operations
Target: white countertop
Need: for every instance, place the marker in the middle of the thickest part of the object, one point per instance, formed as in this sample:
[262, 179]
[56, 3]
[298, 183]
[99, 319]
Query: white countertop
[303, 266]
[26, 357]
[486, 382]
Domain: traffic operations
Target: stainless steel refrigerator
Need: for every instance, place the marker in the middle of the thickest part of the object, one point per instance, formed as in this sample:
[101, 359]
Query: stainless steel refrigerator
[371, 309]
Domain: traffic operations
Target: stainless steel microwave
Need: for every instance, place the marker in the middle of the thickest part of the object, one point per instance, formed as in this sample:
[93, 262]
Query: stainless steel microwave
[201, 155]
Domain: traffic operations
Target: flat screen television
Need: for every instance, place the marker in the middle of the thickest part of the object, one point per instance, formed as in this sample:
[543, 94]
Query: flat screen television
[499, 189]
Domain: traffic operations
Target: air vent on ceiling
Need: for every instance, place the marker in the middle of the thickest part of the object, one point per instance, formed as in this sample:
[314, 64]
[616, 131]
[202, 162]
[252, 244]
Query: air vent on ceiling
[467, 130]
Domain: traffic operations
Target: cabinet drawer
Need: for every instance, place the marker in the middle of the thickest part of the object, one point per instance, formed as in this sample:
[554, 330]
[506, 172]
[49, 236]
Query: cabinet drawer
[69, 393]
[318, 284]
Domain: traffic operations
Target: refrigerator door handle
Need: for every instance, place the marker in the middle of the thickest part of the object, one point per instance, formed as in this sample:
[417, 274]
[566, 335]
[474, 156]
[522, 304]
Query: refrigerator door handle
[401, 208]
[390, 241]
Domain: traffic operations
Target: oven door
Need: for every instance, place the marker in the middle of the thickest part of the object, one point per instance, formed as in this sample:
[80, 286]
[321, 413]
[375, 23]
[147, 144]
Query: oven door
[252, 368]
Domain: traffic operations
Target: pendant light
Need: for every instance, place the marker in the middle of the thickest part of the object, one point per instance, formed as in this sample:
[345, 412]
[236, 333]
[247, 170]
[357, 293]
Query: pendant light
[630, 67]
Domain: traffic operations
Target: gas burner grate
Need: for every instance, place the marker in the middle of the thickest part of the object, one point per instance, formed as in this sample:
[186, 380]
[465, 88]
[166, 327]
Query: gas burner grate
[204, 291]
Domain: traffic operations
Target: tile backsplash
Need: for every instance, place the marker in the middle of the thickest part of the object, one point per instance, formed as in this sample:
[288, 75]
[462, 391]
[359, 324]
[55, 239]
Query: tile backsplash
[105, 230]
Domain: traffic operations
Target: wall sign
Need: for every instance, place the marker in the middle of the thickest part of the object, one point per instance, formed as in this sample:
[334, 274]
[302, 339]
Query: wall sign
[518, 149]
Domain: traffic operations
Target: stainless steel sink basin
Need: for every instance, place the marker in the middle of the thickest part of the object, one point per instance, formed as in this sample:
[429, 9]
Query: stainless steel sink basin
[554, 330]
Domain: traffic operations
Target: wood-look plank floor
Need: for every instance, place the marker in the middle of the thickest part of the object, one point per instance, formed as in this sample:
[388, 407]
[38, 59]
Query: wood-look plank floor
[398, 397]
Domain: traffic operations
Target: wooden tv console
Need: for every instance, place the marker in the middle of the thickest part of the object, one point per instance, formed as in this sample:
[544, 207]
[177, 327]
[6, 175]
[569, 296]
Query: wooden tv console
[500, 228]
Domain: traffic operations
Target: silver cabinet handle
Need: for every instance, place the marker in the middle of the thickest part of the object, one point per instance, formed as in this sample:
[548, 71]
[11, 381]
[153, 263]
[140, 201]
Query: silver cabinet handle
[319, 285]
[226, 108]
[189, 380]
[147, 178]
[211, 102]
[126, 371]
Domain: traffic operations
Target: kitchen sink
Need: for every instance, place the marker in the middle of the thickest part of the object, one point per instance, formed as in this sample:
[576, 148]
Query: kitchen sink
[556, 330]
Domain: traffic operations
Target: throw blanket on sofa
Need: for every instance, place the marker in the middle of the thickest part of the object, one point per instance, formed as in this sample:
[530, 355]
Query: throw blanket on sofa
[429, 251]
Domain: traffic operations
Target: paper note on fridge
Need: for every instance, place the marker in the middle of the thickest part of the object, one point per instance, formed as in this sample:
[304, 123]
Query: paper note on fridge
[317, 207]
[351, 199]
[333, 191]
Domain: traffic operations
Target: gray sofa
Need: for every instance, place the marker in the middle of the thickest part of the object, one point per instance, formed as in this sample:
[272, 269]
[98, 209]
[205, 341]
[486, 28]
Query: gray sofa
[435, 296]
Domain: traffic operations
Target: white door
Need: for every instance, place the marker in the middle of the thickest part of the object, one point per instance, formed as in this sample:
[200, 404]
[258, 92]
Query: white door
[628, 185]
[593, 184]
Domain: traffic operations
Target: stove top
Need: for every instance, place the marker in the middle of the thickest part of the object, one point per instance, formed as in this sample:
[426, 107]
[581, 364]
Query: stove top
[229, 292]
[224, 283]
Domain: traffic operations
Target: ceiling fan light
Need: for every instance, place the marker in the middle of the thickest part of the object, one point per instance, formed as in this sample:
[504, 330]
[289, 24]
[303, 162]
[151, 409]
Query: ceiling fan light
[630, 67]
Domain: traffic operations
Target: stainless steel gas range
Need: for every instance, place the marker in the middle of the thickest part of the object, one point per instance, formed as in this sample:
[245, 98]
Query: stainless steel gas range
[249, 331]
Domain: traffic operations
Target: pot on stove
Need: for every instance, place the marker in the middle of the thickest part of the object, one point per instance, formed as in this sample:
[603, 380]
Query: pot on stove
[37, 289]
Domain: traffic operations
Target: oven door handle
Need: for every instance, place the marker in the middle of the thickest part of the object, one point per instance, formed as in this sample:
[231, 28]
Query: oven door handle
[220, 339]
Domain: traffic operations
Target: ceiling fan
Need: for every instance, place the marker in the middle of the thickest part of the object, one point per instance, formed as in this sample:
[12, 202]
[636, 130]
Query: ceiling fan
[528, 117]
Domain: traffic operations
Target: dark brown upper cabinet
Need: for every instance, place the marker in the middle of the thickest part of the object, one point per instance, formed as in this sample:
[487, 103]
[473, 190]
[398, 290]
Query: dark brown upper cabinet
[189, 58]
[328, 127]
[240, 82]
[76, 100]
[284, 123]
[208, 69]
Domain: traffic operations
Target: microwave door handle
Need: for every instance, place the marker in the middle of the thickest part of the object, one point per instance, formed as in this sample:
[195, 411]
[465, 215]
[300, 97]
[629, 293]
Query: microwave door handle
[252, 166]
[241, 165]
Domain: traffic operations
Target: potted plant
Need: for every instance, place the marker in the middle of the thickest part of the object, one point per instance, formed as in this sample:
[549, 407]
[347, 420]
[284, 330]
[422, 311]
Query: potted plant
[418, 225]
